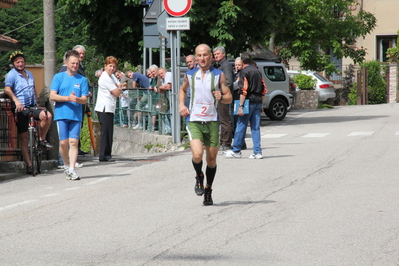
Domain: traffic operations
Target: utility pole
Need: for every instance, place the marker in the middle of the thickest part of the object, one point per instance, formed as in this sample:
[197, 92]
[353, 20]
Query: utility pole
[49, 65]
[49, 43]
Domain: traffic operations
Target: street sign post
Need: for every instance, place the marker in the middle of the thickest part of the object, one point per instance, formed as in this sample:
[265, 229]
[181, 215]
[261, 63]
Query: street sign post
[178, 23]
[176, 8]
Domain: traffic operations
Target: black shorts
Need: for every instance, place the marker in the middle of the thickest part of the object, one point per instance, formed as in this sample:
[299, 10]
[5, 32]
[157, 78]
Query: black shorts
[23, 119]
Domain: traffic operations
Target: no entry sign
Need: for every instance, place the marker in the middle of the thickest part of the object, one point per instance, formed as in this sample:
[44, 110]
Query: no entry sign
[177, 8]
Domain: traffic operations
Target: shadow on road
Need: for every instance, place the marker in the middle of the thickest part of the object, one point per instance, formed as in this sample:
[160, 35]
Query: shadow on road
[228, 203]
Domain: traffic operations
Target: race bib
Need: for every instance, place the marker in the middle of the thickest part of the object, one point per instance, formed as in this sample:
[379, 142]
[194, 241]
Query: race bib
[203, 110]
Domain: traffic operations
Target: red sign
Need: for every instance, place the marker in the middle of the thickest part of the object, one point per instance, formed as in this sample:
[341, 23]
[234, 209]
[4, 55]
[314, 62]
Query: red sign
[177, 8]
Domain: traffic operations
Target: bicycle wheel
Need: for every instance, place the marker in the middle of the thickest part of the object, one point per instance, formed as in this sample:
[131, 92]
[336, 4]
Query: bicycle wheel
[39, 155]
[32, 144]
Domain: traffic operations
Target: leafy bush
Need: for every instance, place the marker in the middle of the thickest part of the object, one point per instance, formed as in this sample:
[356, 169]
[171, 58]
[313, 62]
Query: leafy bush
[376, 85]
[352, 95]
[305, 82]
[393, 52]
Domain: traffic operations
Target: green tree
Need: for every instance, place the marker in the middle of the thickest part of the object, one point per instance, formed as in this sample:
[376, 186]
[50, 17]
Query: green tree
[317, 26]
[31, 36]
[297, 28]
[116, 28]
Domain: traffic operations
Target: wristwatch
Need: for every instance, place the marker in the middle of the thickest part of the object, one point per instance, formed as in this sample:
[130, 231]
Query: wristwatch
[241, 105]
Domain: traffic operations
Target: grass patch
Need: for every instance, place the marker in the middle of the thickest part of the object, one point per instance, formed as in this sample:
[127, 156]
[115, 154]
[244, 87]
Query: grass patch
[324, 106]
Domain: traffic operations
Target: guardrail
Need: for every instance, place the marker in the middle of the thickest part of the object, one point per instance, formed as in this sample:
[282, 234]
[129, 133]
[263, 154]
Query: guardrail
[145, 110]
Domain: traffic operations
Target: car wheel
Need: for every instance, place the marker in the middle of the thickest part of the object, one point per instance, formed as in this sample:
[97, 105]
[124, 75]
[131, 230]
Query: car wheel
[277, 109]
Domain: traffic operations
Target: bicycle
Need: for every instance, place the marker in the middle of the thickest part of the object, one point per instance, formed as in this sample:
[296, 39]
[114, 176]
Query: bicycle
[34, 147]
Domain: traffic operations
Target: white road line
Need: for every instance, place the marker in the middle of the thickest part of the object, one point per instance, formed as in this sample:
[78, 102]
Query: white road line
[315, 135]
[361, 133]
[97, 181]
[16, 205]
[273, 136]
[72, 188]
[50, 195]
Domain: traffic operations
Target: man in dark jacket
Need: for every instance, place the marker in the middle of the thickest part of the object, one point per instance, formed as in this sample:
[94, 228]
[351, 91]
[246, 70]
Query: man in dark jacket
[226, 131]
[252, 88]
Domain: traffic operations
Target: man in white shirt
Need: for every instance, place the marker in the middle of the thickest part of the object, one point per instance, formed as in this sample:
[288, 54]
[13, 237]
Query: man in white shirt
[166, 86]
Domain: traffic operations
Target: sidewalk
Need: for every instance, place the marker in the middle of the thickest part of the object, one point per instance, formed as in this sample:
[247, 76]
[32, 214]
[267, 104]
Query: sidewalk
[87, 160]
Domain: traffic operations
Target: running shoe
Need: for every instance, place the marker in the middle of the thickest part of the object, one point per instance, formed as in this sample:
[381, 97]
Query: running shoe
[78, 165]
[208, 197]
[232, 154]
[72, 175]
[256, 156]
[199, 186]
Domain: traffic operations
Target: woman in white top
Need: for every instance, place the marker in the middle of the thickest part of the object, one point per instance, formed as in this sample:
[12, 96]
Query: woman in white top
[108, 92]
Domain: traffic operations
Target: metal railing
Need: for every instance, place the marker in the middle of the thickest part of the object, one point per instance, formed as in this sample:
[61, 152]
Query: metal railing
[9, 145]
[141, 109]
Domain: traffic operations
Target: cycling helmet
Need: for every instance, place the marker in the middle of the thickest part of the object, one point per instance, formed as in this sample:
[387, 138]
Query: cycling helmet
[15, 55]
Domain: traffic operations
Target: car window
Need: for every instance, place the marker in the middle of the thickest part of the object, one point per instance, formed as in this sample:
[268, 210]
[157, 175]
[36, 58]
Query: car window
[320, 77]
[274, 73]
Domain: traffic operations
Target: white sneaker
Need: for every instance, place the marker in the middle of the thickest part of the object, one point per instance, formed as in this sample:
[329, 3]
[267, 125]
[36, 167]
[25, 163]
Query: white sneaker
[78, 165]
[232, 154]
[137, 127]
[255, 156]
[72, 175]
[66, 172]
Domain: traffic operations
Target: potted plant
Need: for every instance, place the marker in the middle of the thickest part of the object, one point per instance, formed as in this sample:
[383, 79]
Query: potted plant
[305, 82]
[393, 53]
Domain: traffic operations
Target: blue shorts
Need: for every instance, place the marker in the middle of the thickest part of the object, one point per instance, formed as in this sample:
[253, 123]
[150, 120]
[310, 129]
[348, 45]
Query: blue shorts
[68, 129]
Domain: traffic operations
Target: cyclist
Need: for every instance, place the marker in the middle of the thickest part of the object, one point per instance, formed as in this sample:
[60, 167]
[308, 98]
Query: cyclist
[20, 88]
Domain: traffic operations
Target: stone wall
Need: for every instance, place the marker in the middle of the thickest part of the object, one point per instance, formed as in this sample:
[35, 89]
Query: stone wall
[128, 141]
[306, 99]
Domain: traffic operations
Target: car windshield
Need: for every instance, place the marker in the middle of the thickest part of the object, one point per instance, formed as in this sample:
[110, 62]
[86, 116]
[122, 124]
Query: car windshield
[320, 77]
[274, 73]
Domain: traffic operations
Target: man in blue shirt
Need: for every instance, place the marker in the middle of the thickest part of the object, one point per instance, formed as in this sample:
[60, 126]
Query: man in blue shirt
[20, 88]
[139, 80]
[69, 91]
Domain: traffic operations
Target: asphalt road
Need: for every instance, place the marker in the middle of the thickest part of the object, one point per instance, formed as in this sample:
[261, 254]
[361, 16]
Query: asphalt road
[326, 193]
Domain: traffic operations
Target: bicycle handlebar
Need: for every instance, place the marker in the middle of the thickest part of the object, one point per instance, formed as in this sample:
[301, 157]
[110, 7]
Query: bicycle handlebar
[31, 109]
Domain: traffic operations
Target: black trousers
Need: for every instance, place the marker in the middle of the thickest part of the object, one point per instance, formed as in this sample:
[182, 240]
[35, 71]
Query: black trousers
[107, 134]
[226, 131]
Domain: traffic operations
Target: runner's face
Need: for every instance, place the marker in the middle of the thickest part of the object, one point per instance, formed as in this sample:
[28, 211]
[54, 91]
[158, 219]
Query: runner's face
[203, 56]
[19, 63]
[72, 64]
